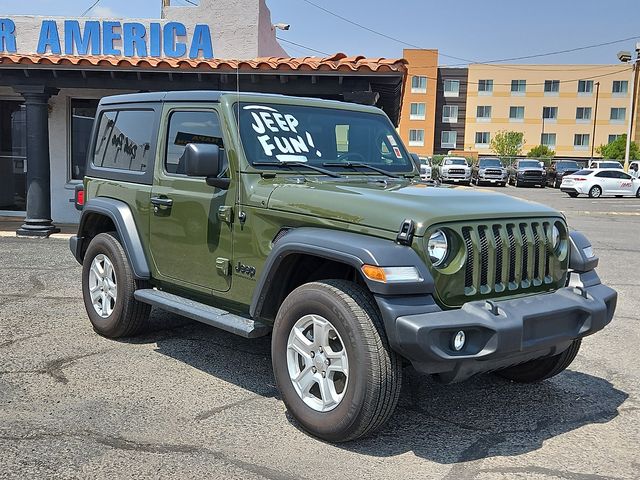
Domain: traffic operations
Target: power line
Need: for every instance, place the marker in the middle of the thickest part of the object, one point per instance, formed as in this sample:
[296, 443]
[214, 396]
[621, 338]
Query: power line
[303, 46]
[191, 2]
[466, 60]
[90, 8]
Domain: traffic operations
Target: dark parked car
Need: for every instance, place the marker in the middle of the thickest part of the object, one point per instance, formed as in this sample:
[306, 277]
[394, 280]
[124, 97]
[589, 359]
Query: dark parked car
[527, 172]
[558, 170]
[489, 170]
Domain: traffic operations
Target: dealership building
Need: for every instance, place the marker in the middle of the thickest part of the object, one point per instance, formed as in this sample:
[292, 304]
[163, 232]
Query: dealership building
[53, 72]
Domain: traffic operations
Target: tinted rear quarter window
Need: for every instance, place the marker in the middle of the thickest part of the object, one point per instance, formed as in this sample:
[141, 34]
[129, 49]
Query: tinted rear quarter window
[123, 140]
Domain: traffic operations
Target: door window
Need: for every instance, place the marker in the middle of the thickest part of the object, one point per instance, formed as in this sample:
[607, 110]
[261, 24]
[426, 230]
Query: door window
[190, 127]
[13, 155]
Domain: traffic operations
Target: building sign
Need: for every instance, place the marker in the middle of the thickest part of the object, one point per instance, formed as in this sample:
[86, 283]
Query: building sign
[128, 39]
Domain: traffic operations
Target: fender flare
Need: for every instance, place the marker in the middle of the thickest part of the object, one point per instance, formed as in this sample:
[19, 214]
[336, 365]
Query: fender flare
[352, 249]
[120, 214]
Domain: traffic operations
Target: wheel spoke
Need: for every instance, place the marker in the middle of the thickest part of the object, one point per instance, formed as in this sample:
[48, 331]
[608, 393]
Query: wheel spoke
[108, 269]
[327, 393]
[300, 343]
[95, 293]
[96, 269]
[321, 329]
[304, 380]
[339, 363]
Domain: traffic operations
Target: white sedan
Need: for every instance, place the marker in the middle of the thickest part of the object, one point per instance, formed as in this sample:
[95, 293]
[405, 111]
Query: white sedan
[596, 182]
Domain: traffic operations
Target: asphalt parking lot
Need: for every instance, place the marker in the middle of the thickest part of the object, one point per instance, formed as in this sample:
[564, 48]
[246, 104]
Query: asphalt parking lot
[189, 401]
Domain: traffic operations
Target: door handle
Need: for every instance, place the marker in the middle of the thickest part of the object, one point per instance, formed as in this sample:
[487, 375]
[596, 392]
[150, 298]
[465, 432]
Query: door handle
[161, 202]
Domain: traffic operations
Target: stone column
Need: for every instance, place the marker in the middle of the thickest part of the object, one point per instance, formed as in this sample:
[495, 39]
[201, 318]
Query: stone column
[38, 222]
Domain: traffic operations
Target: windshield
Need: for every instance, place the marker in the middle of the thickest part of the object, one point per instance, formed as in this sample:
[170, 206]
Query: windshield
[610, 165]
[455, 161]
[317, 136]
[489, 162]
[567, 166]
[529, 164]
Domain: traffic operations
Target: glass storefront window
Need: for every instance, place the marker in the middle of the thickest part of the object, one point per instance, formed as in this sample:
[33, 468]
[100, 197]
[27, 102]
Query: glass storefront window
[13, 155]
[83, 111]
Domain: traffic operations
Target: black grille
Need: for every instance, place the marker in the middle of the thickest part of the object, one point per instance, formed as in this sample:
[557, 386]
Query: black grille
[468, 276]
[456, 171]
[532, 173]
[512, 254]
[493, 172]
[499, 253]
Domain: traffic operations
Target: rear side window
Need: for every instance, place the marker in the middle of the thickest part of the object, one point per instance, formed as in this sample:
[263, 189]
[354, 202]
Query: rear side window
[123, 140]
[190, 127]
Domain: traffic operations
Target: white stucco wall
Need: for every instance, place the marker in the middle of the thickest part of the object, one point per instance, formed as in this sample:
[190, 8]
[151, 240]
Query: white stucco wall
[62, 211]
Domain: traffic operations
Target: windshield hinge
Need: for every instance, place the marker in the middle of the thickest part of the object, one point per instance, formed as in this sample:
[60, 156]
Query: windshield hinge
[405, 234]
[225, 213]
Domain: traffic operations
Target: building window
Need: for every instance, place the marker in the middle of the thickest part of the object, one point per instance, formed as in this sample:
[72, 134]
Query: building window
[418, 84]
[549, 140]
[583, 113]
[417, 111]
[124, 140]
[190, 127]
[581, 141]
[416, 138]
[551, 86]
[451, 88]
[613, 138]
[518, 87]
[620, 87]
[617, 114]
[483, 113]
[550, 113]
[448, 139]
[482, 138]
[485, 87]
[449, 114]
[585, 87]
[82, 113]
[516, 114]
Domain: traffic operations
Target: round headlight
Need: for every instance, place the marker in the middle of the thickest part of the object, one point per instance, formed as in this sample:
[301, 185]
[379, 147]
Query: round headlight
[437, 247]
[555, 237]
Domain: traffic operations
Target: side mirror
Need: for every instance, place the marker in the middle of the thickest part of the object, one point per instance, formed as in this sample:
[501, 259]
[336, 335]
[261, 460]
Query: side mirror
[204, 160]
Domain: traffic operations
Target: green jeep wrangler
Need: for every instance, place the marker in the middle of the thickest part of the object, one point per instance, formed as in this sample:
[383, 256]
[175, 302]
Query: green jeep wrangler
[307, 219]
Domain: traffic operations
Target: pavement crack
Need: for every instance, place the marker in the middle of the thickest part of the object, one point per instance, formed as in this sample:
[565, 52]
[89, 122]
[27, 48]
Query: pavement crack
[214, 411]
[10, 342]
[54, 368]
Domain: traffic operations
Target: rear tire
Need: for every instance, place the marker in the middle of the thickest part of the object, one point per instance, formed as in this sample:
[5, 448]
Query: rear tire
[374, 374]
[638, 193]
[107, 289]
[542, 368]
[595, 192]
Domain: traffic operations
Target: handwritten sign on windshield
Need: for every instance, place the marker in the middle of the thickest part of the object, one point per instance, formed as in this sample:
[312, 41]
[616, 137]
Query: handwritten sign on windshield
[280, 134]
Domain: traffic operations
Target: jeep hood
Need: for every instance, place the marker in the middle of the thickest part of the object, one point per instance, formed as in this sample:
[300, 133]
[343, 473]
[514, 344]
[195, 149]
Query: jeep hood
[381, 205]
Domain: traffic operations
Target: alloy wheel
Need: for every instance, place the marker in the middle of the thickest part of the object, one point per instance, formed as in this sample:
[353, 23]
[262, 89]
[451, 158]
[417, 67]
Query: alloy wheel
[317, 362]
[103, 287]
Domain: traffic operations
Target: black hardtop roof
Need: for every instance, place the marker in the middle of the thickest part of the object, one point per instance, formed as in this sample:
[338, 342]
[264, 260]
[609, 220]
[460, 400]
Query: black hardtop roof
[195, 96]
[176, 96]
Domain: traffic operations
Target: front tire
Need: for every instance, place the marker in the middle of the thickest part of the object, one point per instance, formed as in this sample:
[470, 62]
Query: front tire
[542, 368]
[356, 392]
[107, 289]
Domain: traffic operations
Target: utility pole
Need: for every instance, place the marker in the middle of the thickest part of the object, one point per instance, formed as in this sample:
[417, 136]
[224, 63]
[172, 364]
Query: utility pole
[626, 57]
[595, 119]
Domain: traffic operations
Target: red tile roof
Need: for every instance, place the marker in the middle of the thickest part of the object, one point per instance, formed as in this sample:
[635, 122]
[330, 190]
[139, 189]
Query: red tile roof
[336, 63]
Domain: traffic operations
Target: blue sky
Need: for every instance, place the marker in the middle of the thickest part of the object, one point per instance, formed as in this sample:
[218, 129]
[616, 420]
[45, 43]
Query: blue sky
[485, 31]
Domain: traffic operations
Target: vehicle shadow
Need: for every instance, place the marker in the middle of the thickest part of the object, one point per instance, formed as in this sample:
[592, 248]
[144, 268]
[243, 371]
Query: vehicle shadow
[485, 416]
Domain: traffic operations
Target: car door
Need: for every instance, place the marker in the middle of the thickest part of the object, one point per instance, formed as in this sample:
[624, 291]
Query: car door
[190, 226]
[606, 181]
[624, 183]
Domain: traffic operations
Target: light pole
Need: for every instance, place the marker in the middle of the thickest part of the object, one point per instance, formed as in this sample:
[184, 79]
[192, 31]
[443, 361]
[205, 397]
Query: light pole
[625, 57]
[595, 119]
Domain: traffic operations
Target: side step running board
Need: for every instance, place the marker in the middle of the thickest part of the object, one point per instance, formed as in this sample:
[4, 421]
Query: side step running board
[201, 312]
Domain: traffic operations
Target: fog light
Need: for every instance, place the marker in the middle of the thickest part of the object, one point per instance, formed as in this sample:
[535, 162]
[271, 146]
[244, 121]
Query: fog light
[458, 341]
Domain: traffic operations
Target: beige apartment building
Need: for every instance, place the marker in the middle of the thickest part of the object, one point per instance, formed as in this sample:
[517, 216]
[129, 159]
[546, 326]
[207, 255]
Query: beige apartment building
[553, 105]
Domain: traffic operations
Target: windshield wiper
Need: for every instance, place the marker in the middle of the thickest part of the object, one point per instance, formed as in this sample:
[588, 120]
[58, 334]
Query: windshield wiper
[356, 165]
[297, 164]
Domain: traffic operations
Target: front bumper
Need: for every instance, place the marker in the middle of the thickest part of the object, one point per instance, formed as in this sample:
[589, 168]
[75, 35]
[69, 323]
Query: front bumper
[499, 333]
[531, 180]
[456, 178]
